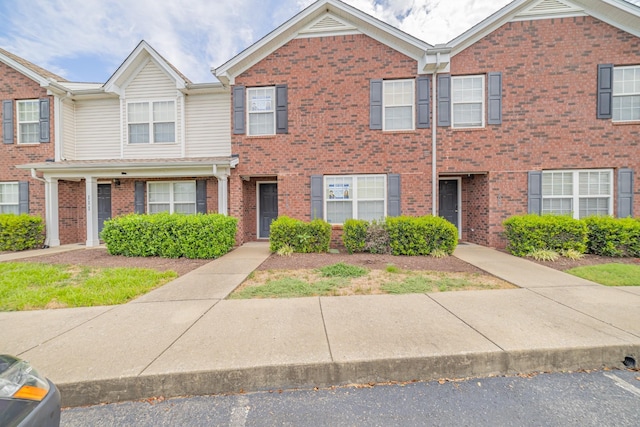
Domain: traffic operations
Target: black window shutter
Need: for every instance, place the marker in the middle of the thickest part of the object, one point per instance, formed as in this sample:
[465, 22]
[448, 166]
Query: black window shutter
[238, 110]
[535, 192]
[375, 104]
[139, 197]
[605, 91]
[201, 196]
[7, 121]
[444, 100]
[495, 98]
[317, 202]
[44, 120]
[625, 193]
[423, 100]
[282, 105]
[393, 194]
[23, 197]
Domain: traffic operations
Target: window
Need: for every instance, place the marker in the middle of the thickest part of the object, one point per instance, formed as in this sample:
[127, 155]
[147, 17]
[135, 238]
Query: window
[9, 197]
[626, 94]
[577, 193]
[398, 100]
[151, 122]
[467, 101]
[261, 101]
[172, 197]
[29, 121]
[355, 196]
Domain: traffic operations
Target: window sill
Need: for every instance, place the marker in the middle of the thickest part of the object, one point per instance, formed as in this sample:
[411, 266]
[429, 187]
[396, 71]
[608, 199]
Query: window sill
[137, 144]
[468, 129]
[28, 144]
[636, 122]
[260, 136]
[412, 131]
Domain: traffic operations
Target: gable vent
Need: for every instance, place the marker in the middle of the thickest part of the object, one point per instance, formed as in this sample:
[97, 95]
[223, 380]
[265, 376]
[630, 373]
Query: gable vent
[550, 9]
[328, 24]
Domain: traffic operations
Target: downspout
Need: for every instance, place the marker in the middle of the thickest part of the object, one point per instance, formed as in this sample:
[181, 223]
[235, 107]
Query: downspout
[34, 176]
[434, 137]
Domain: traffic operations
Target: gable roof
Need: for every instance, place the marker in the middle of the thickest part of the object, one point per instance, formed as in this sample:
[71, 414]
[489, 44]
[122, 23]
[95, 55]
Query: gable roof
[618, 13]
[324, 17]
[137, 59]
[29, 69]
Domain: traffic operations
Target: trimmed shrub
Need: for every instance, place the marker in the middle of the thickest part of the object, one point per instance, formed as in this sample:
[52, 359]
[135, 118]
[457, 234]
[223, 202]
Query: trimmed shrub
[377, 240]
[170, 235]
[530, 233]
[20, 232]
[354, 235]
[614, 237]
[302, 237]
[421, 236]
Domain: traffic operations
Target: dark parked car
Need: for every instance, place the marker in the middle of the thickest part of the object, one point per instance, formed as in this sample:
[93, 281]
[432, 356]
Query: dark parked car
[26, 397]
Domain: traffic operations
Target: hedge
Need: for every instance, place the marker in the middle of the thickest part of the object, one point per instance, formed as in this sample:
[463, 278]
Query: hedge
[421, 235]
[302, 237]
[21, 232]
[170, 235]
[528, 233]
[614, 237]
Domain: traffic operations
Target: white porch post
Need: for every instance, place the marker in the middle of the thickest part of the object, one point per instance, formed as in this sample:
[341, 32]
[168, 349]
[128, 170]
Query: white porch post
[92, 211]
[51, 213]
[223, 199]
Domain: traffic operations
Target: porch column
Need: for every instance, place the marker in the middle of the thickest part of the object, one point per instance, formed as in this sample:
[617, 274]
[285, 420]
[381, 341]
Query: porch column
[52, 226]
[223, 197]
[92, 211]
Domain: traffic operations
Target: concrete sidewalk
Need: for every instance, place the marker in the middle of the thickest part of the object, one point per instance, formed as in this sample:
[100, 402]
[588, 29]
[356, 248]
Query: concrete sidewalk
[186, 339]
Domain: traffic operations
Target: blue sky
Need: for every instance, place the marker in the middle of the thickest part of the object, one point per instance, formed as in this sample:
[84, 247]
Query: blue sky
[86, 40]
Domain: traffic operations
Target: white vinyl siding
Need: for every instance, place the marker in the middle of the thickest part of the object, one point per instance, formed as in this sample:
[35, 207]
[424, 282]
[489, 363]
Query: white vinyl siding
[355, 196]
[172, 197]
[28, 121]
[467, 101]
[97, 130]
[151, 82]
[578, 193]
[398, 100]
[626, 94]
[9, 197]
[207, 124]
[261, 117]
[68, 130]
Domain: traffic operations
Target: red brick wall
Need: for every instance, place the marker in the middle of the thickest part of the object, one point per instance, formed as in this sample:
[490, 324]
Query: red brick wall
[328, 94]
[549, 70]
[16, 86]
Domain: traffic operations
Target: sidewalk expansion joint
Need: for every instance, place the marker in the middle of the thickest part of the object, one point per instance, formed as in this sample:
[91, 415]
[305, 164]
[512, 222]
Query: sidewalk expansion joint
[326, 334]
[463, 321]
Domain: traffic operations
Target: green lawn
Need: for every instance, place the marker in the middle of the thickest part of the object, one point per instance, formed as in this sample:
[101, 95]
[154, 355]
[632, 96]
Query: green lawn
[32, 286]
[610, 274]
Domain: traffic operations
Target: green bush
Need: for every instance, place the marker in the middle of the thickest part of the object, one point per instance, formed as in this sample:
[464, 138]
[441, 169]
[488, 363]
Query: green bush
[354, 234]
[302, 237]
[20, 232]
[421, 235]
[170, 235]
[530, 233]
[613, 237]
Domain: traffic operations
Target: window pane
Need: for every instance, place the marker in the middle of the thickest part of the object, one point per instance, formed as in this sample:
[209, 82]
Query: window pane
[29, 133]
[139, 133]
[371, 210]
[184, 192]
[626, 108]
[398, 92]
[594, 206]
[557, 183]
[185, 208]
[163, 111]
[138, 112]
[594, 183]
[261, 99]
[164, 132]
[370, 187]
[28, 111]
[9, 193]
[339, 211]
[557, 206]
[159, 207]
[467, 89]
[398, 118]
[159, 192]
[467, 115]
[261, 124]
[339, 188]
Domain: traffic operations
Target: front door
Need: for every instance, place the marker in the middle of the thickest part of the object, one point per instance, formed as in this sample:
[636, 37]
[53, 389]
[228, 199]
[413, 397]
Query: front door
[104, 204]
[267, 209]
[448, 200]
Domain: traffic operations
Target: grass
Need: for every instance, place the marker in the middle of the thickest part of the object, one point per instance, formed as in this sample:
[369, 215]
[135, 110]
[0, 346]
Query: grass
[613, 274]
[32, 286]
[344, 279]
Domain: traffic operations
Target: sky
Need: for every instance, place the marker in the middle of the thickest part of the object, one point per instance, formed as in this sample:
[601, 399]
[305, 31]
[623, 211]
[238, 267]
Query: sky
[86, 40]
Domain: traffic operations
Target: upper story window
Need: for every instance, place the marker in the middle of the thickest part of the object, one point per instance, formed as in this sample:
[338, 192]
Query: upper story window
[626, 94]
[28, 121]
[172, 197]
[467, 101]
[398, 101]
[151, 122]
[578, 193]
[354, 196]
[261, 111]
[9, 197]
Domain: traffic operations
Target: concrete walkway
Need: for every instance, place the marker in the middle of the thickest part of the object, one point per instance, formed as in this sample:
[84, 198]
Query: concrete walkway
[186, 339]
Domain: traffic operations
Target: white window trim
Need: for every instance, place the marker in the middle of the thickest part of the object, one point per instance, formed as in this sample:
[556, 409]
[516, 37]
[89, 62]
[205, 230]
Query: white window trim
[171, 195]
[19, 122]
[483, 102]
[412, 105]
[354, 190]
[150, 102]
[614, 94]
[249, 112]
[575, 197]
[17, 204]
